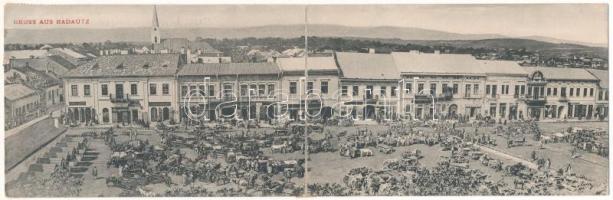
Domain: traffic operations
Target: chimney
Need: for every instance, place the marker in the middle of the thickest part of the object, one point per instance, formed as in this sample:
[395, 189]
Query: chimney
[371, 50]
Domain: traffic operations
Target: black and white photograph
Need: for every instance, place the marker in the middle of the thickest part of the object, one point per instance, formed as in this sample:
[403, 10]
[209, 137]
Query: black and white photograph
[306, 100]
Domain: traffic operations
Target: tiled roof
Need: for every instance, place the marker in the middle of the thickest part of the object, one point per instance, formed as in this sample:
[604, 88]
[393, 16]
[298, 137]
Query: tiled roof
[229, 69]
[128, 65]
[367, 66]
[431, 63]
[61, 61]
[55, 64]
[502, 67]
[314, 63]
[17, 91]
[562, 73]
[602, 75]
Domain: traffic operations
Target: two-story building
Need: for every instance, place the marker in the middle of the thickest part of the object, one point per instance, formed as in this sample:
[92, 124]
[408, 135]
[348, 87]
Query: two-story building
[443, 85]
[322, 86]
[123, 89]
[505, 85]
[369, 85]
[602, 94]
[560, 93]
[210, 91]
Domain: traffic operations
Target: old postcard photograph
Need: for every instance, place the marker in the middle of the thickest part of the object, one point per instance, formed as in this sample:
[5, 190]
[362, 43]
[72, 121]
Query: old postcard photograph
[306, 100]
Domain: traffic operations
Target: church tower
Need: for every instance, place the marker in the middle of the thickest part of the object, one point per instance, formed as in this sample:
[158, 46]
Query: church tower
[155, 29]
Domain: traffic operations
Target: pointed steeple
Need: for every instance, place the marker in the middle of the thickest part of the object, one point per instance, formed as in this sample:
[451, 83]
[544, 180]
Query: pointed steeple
[155, 29]
[156, 23]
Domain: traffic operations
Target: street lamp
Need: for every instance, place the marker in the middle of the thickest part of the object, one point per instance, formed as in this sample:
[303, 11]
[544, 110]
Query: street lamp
[249, 103]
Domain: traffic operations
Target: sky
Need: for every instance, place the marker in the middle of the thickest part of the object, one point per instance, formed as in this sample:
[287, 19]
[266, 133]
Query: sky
[577, 22]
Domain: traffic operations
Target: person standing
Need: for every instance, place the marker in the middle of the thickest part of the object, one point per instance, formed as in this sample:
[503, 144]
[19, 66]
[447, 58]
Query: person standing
[95, 172]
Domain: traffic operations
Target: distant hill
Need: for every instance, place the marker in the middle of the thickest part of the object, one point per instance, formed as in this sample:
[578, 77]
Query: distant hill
[283, 31]
[383, 33]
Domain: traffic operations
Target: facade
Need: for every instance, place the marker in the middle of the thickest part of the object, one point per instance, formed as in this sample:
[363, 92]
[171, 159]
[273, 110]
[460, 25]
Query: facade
[123, 89]
[438, 85]
[561, 93]
[505, 86]
[21, 104]
[211, 91]
[602, 95]
[323, 80]
[369, 85]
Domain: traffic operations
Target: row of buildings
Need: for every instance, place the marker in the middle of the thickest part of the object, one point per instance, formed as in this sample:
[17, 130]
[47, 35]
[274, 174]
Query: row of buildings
[33, 82]
[365, 86]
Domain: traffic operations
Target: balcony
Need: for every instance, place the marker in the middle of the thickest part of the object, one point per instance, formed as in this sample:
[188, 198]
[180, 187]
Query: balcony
[426, 98]
[563, 99]
[535, 100]
[123, 101]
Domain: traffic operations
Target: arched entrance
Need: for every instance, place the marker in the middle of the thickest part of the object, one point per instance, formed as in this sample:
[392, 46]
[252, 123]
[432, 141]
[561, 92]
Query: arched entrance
[166, 113]
[453, 110]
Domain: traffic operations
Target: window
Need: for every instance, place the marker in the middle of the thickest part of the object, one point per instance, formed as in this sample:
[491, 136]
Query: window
[555, 91]
[166, 89]
[355, 91]
[74, 90]
[572, 92]
[119, 90]
[104, 88]
[420, 87]
[467, 90]
[408, 87]
[344, 90]
[488, 89]
[184, 90]
[542, 90]
[563, 92]
[243, 90]
[292, 87]
[228, 90]
[494, 92]
[585, 92]
[133, 89]
[455, 88]
[271, 89]
[600, 95]
[153, 89]
[261, 89]
[201, 90]
[87, 90]
[523, 90]
[393, 92]
[324, 87]
[383, 91]
[606, 95]
[548, 91]
[211, 90]
[105, 115]
[433, 88]
[476, 89]
[369, 91]
[516, 90]
[309, 87]
[591, 92]
[253, 89]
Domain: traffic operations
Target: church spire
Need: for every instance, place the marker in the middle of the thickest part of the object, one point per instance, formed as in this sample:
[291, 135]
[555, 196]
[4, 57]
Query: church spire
[155, 31]
[156, 24]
